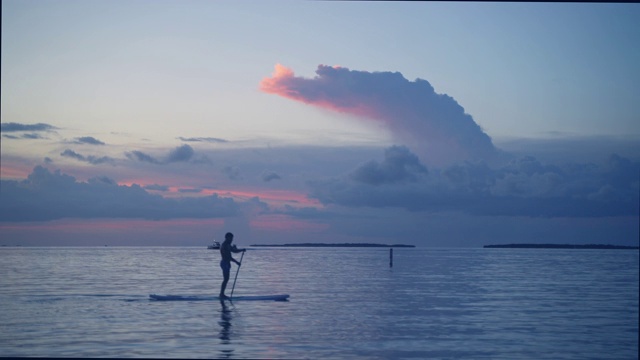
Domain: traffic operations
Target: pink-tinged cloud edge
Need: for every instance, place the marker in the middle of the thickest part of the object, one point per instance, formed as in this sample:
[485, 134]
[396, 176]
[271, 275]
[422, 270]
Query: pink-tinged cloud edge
[274, 84]
[273, 197]
[283, 82]
[15, 171]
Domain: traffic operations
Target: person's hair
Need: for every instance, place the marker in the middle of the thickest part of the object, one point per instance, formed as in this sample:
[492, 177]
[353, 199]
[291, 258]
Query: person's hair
[228, 235]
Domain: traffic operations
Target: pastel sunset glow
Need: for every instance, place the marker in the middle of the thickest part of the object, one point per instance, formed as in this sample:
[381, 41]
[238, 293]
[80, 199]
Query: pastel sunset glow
[453, 125]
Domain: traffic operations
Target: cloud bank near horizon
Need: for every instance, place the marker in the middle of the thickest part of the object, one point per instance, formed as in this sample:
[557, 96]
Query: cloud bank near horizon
[433, 124]
[45, 196]
[527, 186]
[524, 187]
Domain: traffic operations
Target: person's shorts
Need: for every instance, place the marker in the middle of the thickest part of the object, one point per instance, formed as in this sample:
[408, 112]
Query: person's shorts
[226, 266]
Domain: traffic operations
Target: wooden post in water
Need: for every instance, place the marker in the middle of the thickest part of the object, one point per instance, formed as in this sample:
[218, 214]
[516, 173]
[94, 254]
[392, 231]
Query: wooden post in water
[391, 257]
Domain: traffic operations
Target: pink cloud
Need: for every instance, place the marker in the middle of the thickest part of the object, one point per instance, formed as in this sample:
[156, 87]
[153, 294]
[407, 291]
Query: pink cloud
[14, 172]
[272, 197]
[433, 124]
[314, 91]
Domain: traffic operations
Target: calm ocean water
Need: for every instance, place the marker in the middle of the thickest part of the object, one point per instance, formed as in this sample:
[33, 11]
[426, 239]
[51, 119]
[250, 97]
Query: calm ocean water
[345, 303]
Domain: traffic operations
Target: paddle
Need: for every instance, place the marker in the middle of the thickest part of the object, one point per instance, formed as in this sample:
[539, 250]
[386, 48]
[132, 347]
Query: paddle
[234, 280]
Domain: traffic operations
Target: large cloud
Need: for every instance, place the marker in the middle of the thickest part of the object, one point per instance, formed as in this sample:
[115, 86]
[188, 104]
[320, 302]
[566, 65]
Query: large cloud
[524, 187]
[48, 196]
[432, 123]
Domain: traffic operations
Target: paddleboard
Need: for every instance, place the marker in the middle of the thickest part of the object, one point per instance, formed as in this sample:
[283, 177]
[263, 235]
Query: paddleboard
[283, 297]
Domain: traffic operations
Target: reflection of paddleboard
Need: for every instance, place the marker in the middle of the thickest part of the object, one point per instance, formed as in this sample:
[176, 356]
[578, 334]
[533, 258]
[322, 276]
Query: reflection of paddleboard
[203, 297]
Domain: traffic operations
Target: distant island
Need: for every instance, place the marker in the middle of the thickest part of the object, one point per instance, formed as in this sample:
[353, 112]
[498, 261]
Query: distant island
[560, 246]
[368, 245]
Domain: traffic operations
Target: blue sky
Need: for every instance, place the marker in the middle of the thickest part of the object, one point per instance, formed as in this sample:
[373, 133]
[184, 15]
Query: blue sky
[148, 122]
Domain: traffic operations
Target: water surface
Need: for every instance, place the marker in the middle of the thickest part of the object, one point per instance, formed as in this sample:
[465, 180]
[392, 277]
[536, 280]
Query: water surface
[345, 303]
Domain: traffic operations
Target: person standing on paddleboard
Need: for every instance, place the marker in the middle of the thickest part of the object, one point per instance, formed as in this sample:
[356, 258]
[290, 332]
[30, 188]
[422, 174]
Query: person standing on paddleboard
[225, 251]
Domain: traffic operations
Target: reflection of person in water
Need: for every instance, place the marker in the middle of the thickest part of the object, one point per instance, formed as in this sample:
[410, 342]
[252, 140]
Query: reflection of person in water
[225, 331]
[225, 323]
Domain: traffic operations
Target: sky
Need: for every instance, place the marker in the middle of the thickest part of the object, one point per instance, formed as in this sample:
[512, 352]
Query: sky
[436, 124]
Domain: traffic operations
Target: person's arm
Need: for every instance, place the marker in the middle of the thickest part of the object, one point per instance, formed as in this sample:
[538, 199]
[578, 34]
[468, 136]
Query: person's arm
[236, 250]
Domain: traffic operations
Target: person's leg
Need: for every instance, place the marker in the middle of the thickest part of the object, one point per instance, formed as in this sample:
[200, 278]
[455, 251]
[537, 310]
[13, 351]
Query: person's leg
[226, 269]
[224, 283]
